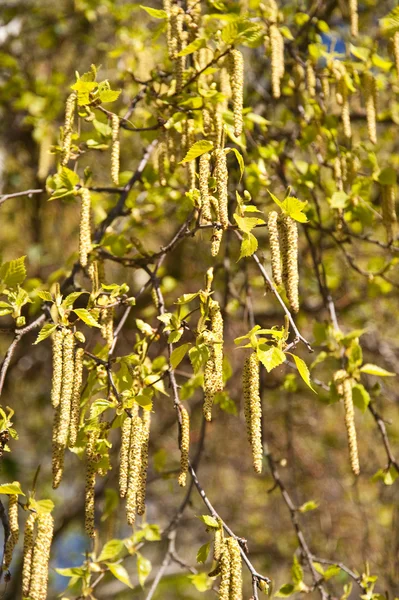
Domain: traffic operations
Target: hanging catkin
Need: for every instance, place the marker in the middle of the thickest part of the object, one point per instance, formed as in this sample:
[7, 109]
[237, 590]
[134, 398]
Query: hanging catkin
[57, 452]
[289, 237]
[85, 226]
[136, 442]
[67, 389]
[221, 175]
[141, 489]
[325, 87]
[58, 337]
[213, 372]
[204, 174]
[184, 445]
[218, 126]
[75, 401]
[310, 79]
[354, 17]
[14, 530]
[275, 253]
[27, 553]
[389, 216]
[190, 130]
[224, 587]
[68, 127]
[338, 173]
[40, 558]
[253, 409]
[91, 468]
[350, 425]
[126, 432]
[217, 543]
[107, 325]
[236, 71]
[345, 109]
[115, 152]
[235, 569]
[370, 98]
[277, 59]
[396, 51]
[178, 39]
[216, 240]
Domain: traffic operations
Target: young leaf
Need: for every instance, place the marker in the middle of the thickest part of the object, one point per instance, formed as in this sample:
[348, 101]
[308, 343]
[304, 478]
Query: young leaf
[209, 521]
[111, 550]
[143, 568]
[178, 354]
[249, 245]
[13, 273]
[154, 12]
[45, 332]
[375, 370]
[303, 371]
[86, 317]
[240, 160]
[203, 552]
[195, 45]
[270, 358]
[120, 573]
[11, 488]
[196, 150]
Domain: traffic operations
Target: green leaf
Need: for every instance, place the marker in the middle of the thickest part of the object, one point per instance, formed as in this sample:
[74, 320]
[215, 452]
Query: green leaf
[246, 224]
[270, 358]
[72, 572]
[307, 506]
[390, 24]
[296, 571]
[249, 245]
[196, 150]
[45, 332]
[387, 176]
[303, 371]
[143, 568]
[68, 178]
[198, 356]
[120, 573]
[154, 12]
[13, 273]
[201, 581]
[178, 354]
[209, 521]
[195, 45]
[240, 160]
[294, 209]
[111, 550]
[286, 590]
[46, 296]
[86, 317]
[109, 95]
[374, 370]
[339, 200]
[203, 552]
[361, 397]
[42, 506]
[11, 488]
[186, 298]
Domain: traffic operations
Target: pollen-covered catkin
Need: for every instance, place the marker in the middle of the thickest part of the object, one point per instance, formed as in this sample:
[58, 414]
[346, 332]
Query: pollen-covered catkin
[217, 330]
[350, 425]
[115, 152]
[75, 401]
[126, 432]
[217, 543]
[14, 530]
[396, 51]
[184, 445]
[57, 451]
[216, 240]
[325, 87]
[107, 325]
[354, 17]
[224, 587]
[68, 127]
[370, 98]
[253, 409]
[236, 71]
[161, 156]
[235, 569]
[275, 253]
[27, 553]
[90, 483]
[67, 389]
[389, 216]
[58, 337]
[141, 489]
[136, 442]
[338, 173]
[85, 226]
[277, 59]
[290, 261]
[221, 175]
[204, 174]
[310, 79]
[345, 109]
[190, 130]
[41, 556]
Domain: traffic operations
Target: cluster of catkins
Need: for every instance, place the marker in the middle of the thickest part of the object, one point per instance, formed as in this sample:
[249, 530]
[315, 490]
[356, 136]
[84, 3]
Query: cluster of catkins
[283, 238]
[343, 383]
[133, 461]
[65, 397]
[229, 567]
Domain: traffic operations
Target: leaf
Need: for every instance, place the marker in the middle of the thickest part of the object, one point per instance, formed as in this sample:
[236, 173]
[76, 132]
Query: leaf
[196, 150]
[111, 550]
[11, 488]
[246, 224]
[249, 245]
[201, 581]
[86, 317]
[154, 12]
[186, 298]
[303, 371]
[270, 358]
[286, 590]
[42, 506]
[178, 354]
[294, 209]
[387, 176]
[296, 571]
[276, 200]
[109, 95]
[120, 573]
[203, 552]
[361, 397]
[339, 200]
[45, 332]
[195, 45]
[68, 178]
[390, 24]
[13, 273]
[198, 356]
[46, 296]
[209, 521]
[240, 160]
[307, 506]
[143, 568]
[374, 370]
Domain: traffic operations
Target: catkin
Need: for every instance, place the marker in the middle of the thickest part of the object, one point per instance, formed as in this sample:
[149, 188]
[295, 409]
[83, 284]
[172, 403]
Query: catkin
[216, 240]
[217, 330]
[338, 173]
[225, 567]
[126, 432]
[204, 174]
[66, 390]
[107, 325]
[350, 425]
[58, 337]
[115, 152]
[85, 227]
[253, 409]
[190, 130]
[217, 544]
[161, 156]
[57, 452]
[28, 553]
[325, 87]
[289, 237]
[136, 442]
[90, 483]
[141, 489]
[389, 216]
[213, 372]
[235, 569]
[275, 253]
[221, 175]
[345, 109]
[93, 274]
[354, 17]
[75, 401]
[184, 445]
[277, 59]
[396, 51]
[68, 128]
[236, 71]
[310, 79]
[14, 530]
[370, 98]
[218, 126]
[40, 558]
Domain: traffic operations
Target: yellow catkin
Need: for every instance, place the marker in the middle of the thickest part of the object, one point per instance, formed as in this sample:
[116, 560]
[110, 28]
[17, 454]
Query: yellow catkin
[217, 330]
[389, 217]
[218, 125]
[206, 122]
[115, 152]
[354, 17]
[68, 127]
[141, 489]
[325, 87]
[370, 98]
[167, 5]
[253, 409]
[190, 166]
[75, 401]
[310, 79]
[275, 254]
[217, 544]
[216, 240]
[338, 173]
[107, 325]
[221, 175]
[134, 469]
[93, 274]
[289, 231]
[350, 425]
[396, 51]
[235, 569]
[213, 372]
[126, 432]
[177, 43]
[204, 174]
[85, 226]
[40, 558]
[161, 159]
[171, 145]
[225, 567]
[57, 452]
[67, 389]
[184, 445]
[236, 70]
[345, 109]
[277, 59]
[225, 75]
[14, 530]
[27, 553]
[58, 338]
[90, 483]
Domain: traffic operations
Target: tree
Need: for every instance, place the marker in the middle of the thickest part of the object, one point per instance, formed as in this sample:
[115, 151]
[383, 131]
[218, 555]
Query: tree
[198, 299]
